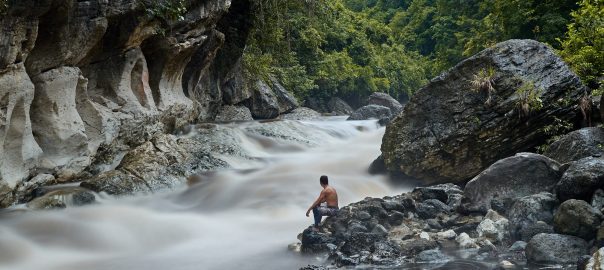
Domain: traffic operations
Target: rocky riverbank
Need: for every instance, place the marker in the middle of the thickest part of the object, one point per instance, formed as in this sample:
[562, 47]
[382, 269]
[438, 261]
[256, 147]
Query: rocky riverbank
[523, 211]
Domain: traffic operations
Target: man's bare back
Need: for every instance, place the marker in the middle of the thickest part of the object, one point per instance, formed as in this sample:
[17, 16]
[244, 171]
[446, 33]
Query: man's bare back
[330, 196]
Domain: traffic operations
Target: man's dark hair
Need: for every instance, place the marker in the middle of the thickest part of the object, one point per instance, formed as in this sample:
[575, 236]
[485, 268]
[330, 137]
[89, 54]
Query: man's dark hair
[323, 180]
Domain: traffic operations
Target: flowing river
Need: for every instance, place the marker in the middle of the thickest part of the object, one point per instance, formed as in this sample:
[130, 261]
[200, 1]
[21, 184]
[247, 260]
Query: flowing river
[239, 218]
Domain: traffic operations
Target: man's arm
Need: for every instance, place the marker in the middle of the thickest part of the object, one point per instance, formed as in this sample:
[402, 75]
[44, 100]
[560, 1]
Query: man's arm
[319, 200]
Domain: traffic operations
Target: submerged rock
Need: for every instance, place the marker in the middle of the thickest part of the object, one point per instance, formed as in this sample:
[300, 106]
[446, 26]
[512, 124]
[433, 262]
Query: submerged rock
[450, 131]
[514, 177]
[432, 256]
[555, 248]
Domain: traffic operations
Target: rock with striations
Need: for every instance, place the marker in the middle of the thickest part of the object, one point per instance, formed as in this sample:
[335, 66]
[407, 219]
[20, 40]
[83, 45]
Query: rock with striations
[264, 103]
[582, 178]
[521, 175]
[450, 131]
[234, 113]
[582, 143]
[555, 248]
[371, 112]
[578, 218]
[385, 100]
[287, 102]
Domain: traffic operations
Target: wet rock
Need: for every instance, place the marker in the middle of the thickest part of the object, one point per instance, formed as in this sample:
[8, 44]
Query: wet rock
[514, 177]
[313, 242]
[494, 229]
[301, 113]
[596, 261]
[518, 246]
[432, 256]
[83, 198]
[597, 200]
[432, 208]
[449, 234]
[371, 112]
[29, 189]
[577, 145]
[581, 179]
[414, 246]
[527, 232]
[530, 209]
[378, 166]
[465, 241]
[439, 192]
[234, 113]
[578, 218]
[313, 267]
[555, 248]
[338, 106]
[449, 133]
[383, 99]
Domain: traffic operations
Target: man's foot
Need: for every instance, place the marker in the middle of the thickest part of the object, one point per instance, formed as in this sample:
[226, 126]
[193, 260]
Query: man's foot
[315, 228]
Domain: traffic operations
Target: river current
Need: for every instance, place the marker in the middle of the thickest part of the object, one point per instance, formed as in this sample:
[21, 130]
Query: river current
[239, 218]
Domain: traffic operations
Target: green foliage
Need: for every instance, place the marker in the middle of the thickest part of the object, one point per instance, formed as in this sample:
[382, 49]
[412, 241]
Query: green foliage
[554, 131]
[528, 99]
[485, 81]
[166, 10]
[583, 45]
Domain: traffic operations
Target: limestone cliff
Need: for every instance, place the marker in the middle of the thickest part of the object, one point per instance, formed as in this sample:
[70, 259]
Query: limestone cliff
[81, 81]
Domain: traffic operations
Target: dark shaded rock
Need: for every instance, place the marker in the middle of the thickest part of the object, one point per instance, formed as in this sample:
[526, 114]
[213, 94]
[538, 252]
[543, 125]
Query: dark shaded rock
[338, 106]
[527, 232]
[383, 99]
[502, 205]
[581, 179]
[371, 112]
[586, 142]
[301, 113]
[378, 166]
[597, 200]
[233, 113]
[264, 103]
[514, 177]
[555, 248]
[83, 198]
[530, 209]
[578, 218]
[439, 192]
[431, 208]
[360, 241]
[287, 102]
[448, 132]
[313, 242]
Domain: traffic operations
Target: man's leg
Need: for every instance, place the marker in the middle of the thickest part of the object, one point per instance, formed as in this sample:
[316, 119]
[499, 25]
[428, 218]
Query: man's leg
[317, 215]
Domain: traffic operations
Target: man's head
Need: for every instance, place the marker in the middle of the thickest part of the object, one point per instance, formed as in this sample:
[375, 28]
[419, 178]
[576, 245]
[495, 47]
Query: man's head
[323, 180]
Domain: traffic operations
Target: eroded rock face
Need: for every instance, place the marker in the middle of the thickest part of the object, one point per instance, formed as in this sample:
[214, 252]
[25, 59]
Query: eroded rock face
[521, 175]
[82, 81]
[449, 132]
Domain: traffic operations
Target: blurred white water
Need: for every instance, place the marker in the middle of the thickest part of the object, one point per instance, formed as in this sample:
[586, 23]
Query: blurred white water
[242, 218]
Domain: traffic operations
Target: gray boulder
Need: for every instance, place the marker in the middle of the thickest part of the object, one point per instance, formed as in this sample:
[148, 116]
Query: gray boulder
[371, 112]
[521, 175]
[582, 178]
[578, 218]
[287, 102]
[578, 144]
[301, 113]
[338, 106]
[233, 113]
[526, 211]
[385, 100]
[432, 256]
[527, 232]
[450, 131]
[264, 103]
[555, 248]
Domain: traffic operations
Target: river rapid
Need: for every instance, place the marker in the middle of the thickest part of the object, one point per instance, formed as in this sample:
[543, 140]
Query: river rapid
[239, 218]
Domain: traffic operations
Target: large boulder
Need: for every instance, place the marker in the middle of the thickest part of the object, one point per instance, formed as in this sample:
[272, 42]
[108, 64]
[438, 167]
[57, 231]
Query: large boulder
[287, 102]
[529, 210]
[385, 100]
[264, 103]
[451, 130]
[578, 218]
[555, 248]
[234, 113]
[301, 113]
[582, 178]
[582, 143]
[338, 106]
[371, 112]
[514, 177]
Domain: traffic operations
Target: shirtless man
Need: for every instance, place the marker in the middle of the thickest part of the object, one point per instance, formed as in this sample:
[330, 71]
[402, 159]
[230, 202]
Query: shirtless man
[328, 195]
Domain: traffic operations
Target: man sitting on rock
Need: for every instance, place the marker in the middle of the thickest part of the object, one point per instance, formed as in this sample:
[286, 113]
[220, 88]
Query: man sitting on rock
[330, 197]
